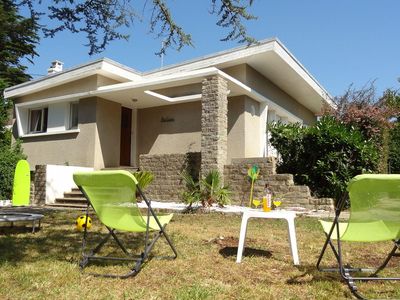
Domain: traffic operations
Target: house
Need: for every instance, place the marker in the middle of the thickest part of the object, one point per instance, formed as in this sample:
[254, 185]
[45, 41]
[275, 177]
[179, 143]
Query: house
[103, 114]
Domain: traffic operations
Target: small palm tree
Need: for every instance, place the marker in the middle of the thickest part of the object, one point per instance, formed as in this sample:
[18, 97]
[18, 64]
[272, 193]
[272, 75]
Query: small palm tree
[144, 178]
[213, 191]
[192, 194]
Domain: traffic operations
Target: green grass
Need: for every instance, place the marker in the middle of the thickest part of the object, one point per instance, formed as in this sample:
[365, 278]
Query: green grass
[45, 265]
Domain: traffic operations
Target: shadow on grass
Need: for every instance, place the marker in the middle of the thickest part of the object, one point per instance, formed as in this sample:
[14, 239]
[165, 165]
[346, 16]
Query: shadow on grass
[232, 251]
[53, 243]
[310, 273]
[18, 229]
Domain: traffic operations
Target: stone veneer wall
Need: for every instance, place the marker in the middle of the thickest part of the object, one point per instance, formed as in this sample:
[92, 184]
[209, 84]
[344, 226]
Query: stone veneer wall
[40, 185]
[168, 184]
[282, 185]
[236, 177]
[214, 124]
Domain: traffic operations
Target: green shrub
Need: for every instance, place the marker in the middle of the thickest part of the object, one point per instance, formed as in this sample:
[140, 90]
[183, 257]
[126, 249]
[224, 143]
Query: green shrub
[394, 149]
[9, 156]
[213, 191]
[192, 194]
[208, 190]
[324, 156]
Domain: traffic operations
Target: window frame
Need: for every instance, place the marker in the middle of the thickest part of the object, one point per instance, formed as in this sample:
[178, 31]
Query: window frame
[71, 115]
[43, 120]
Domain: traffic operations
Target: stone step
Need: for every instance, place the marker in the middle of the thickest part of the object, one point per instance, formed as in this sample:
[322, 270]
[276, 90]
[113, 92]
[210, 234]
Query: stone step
[73, 194]
[126, 168]
[299, 202]
[73, 200]
[67, 205]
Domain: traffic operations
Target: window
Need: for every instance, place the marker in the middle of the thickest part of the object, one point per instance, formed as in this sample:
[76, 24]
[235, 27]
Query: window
[38, 120]
[73, 119]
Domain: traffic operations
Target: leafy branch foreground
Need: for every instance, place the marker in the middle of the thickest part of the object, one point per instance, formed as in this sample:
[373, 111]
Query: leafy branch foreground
[103, 21]
[44, 265]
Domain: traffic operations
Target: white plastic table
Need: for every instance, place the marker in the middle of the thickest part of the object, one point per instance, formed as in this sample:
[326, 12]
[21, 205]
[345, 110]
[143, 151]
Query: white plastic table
[289, 216]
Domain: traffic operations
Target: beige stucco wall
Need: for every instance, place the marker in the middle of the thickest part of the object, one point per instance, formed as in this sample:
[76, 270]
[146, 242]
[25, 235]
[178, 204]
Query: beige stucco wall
[264, 86]
[103, 81]
[96, 145]
[75, 149]
[236, 127]
[181, 135]
[81, 85]
[238, 72]
[183, 90]
[252, 128]
[108, 134]
[271, 91]
[184, 133]
[243, 128]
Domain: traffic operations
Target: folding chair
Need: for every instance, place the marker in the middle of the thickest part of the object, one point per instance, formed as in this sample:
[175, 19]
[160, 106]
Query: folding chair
[112, 194]
[374, 216]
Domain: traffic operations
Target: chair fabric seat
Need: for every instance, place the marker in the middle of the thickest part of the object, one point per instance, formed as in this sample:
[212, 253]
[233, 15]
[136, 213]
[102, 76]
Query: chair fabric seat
[361, 232]
[133, 223]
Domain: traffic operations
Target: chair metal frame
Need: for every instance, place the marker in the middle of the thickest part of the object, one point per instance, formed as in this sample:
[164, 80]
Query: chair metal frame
[346, 270]
[140, 259]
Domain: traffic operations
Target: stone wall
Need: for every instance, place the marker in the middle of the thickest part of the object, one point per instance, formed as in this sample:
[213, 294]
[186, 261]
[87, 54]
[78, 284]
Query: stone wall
[40, 185]
[214, 124]
[236, 177]
[282, 185]
[167, 169]
[168, 184]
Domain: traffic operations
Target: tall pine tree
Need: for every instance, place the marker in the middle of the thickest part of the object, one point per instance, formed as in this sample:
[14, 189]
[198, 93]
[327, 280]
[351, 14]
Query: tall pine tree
[18, 39]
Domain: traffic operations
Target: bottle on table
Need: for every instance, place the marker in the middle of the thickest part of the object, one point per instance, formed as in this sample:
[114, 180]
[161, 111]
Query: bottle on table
[267, 199]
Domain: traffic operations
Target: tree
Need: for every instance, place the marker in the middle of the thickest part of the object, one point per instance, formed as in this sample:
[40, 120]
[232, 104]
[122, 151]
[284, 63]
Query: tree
[393, 99]
[324, 156]
[103, 20]
[18, 39]
[363, 110]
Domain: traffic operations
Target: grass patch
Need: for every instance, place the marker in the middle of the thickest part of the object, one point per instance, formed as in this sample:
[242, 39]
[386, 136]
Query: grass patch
[45, 265]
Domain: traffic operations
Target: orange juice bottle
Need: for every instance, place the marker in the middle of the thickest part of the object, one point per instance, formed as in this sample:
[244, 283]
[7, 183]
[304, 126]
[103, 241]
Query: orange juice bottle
[267, 199]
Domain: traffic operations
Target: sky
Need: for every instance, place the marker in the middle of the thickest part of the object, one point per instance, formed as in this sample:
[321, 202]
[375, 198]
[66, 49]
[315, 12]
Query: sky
[340, 42]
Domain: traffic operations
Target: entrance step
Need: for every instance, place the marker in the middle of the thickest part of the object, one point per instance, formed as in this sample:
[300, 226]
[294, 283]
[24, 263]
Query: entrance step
[126, 168]
[74, 198]
[66, 205]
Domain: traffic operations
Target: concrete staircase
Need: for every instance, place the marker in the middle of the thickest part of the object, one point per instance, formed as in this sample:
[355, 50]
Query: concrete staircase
[73, 199]
[292, 196]
[296, 195]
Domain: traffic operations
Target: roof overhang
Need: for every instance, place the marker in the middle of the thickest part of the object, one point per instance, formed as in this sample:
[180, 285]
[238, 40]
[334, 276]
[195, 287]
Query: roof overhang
[271, 59]
[104, 66]
[144, 94]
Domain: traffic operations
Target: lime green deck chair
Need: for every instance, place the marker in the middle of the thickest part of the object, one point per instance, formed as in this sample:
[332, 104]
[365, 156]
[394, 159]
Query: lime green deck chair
[374, 216]
[112, 194]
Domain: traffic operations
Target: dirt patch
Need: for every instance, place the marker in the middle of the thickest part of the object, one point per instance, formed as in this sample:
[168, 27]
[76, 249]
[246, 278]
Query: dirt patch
[226, 241]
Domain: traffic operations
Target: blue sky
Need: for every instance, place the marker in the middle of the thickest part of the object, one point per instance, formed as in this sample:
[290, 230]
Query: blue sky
[339, 41]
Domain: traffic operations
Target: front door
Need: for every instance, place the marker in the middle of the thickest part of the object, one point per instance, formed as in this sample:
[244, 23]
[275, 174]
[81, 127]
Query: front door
[126, 125]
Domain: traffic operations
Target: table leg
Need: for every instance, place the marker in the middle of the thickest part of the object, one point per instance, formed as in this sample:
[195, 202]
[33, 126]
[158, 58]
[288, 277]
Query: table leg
[243, 230]
[293, 241]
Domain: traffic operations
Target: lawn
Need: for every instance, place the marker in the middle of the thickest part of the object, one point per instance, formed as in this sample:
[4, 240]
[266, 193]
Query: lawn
[44, 265]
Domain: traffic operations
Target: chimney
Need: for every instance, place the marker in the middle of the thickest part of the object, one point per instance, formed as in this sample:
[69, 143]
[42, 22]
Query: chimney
[56, 66]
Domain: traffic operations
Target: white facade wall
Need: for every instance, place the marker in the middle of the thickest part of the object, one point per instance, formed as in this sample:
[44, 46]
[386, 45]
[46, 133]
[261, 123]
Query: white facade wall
[59, 180]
